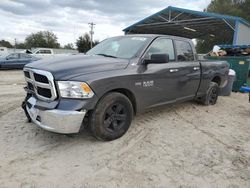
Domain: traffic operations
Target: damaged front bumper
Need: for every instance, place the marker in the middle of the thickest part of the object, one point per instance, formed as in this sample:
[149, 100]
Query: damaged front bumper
[55, 120]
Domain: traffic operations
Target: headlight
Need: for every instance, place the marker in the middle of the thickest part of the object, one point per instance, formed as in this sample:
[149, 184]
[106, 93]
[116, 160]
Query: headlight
[69, 89]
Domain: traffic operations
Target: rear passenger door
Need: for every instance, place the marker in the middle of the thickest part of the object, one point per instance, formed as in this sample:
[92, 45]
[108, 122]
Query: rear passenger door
[187, 69]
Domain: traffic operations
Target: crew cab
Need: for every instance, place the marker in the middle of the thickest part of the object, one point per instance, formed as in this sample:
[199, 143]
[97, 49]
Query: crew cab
[117, 79]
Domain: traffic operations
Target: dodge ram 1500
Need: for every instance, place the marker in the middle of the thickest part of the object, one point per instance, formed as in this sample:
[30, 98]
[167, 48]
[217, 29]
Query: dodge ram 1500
[117, 79]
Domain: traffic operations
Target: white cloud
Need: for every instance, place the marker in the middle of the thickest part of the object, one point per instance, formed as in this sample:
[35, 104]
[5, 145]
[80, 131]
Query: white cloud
[69, 19]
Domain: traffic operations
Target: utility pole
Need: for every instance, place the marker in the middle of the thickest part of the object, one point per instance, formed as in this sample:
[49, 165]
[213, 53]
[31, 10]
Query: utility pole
[91, 25]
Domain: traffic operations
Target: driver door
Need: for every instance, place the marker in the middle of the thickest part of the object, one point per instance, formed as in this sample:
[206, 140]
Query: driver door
[12, 61]
[160, 80]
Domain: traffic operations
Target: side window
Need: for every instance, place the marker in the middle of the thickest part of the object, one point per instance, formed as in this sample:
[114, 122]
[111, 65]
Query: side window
[13, 56]
[184, 51]
[44, 52]
[162, 46]
[26, 56]
[47, 52]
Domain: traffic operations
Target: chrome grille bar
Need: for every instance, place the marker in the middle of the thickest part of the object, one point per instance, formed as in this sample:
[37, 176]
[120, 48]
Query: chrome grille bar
[50, 86]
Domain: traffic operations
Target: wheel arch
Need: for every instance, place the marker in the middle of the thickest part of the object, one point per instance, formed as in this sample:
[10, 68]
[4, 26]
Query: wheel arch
[128, 94]
[216, 79]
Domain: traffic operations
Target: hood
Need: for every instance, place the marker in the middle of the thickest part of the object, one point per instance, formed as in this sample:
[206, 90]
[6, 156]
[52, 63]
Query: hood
[64, 68]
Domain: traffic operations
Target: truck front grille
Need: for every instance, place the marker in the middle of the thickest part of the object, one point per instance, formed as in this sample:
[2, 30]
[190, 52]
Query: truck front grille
[44, 92]
[30, 86]
[41, 83]
[27, 74]
[41, 78]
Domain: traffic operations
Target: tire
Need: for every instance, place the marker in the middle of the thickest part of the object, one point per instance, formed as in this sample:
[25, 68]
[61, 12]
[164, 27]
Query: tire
[112, 117]
[212, 95]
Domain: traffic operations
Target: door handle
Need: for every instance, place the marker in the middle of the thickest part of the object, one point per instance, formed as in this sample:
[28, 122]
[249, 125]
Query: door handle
[173, 70]
[196, 68]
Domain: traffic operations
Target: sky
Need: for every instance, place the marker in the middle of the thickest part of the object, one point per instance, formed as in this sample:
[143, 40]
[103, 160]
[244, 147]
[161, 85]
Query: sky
[69, 19]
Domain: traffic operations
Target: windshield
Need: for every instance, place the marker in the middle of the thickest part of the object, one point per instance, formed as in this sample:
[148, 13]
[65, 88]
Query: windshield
[34, 51]
[120, 47]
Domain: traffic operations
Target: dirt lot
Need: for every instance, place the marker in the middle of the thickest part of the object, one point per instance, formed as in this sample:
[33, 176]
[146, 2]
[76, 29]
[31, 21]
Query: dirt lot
[185, 145]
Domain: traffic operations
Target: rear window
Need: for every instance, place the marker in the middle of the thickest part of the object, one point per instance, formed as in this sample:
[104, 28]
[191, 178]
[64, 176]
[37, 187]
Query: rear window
[184, 51]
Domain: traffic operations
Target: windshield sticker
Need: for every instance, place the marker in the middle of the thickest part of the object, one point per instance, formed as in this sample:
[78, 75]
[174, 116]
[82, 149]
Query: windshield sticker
[139, 38]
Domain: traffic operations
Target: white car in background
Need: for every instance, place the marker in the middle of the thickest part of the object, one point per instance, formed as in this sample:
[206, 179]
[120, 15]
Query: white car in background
[50, 52]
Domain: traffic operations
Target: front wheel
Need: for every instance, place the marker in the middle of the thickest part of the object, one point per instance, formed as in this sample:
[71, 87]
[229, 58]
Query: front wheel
[212, 94]
[112, 117]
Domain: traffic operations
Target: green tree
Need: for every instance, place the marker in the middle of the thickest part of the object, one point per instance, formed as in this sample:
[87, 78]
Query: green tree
[228, 7]
[45, 39]
[83, 43]
[239, 8]
[21, 45]
[69, 46]
[5, 43]
[96, 42]
[245, 7]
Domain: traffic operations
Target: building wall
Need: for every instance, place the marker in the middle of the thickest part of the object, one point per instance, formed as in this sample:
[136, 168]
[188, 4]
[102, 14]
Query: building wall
[242, 34]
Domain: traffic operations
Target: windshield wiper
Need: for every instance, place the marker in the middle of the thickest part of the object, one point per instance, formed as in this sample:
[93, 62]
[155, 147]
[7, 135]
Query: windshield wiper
[106, 55]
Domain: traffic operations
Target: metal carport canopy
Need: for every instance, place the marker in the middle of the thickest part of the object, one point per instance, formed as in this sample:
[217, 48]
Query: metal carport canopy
[190, 24]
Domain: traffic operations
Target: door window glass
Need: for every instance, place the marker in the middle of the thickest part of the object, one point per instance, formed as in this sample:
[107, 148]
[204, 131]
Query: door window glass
[47, 52]
[184, 51]
[26, 56]
[44, 52]
[162, 46]
[12, 56]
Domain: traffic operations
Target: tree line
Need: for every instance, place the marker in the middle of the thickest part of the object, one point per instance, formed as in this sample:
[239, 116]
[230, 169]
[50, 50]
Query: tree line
[47, 39]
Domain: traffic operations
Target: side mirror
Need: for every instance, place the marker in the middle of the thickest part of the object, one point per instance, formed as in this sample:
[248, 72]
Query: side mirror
[157, 59]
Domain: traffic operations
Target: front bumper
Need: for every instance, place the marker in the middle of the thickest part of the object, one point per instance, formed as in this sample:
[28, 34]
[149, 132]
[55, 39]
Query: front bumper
[59, 121]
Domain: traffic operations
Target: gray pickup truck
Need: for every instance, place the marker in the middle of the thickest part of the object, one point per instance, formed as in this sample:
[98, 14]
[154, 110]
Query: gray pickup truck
[115, 80]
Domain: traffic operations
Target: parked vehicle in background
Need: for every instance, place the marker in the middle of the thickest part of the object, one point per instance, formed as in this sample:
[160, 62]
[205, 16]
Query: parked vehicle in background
[16, 60]
[43, 52]
[3, 50]
[49, 52]
[117, 79]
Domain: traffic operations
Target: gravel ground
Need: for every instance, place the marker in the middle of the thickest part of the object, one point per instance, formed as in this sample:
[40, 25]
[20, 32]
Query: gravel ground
[184, 145]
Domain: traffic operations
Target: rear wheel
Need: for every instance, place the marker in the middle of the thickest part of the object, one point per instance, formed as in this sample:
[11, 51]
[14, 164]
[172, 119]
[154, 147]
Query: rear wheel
[112, 117]
[212, 94]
